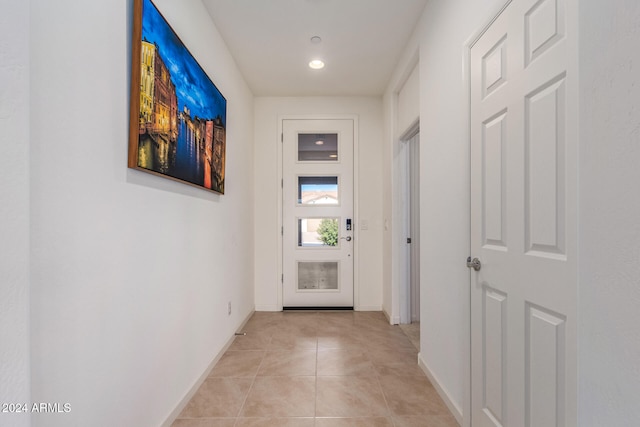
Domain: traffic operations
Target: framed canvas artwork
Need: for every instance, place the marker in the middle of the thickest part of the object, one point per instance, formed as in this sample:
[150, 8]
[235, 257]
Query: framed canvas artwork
[178, 116]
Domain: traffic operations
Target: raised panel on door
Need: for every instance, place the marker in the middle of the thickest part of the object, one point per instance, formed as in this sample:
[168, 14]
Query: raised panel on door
[545, 367]
[494, 67]
[494, 180]
[494, 331]
[544, 27]
[545, 170]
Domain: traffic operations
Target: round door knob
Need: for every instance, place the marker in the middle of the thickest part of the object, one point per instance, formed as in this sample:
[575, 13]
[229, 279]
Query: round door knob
[474, 263]
[348, 238]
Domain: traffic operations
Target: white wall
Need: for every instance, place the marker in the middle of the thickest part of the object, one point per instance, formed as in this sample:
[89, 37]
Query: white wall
[444, 183]
[369, 261]
[409, 101]
[444, 28]
[130, 273]
[609, 293]
[401, 103]
[14, 208]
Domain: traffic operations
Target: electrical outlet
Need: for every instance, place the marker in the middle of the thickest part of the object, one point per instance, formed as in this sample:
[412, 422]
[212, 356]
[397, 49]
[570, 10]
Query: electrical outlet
[229, 307]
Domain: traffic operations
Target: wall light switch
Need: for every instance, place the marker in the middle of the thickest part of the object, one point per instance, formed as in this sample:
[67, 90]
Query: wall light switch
[364, 224]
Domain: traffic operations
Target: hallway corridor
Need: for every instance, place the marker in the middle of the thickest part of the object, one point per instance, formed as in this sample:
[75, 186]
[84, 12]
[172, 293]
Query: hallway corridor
[322, 369]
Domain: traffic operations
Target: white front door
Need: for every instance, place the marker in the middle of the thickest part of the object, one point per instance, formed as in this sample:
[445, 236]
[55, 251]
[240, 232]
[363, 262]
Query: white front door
[317, 213]
[523, 217]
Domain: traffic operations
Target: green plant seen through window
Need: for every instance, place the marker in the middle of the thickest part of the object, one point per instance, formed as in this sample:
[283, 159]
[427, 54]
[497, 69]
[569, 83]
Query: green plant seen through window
[328, 231]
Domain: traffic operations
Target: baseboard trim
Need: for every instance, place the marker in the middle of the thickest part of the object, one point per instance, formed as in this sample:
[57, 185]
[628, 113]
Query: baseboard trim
[355, 308]
[316, 308]
[387, 316]
[367, 308]
[455, 410]
[392, 320]
[268, 308]
[192, 391]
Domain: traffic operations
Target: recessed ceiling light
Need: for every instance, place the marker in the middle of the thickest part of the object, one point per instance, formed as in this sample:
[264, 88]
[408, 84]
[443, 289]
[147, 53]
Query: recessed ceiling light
[316, 64]
[316, 39]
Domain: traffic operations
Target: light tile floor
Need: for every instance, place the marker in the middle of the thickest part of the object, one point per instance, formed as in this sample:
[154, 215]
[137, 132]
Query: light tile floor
[412, 331]
[317, 369]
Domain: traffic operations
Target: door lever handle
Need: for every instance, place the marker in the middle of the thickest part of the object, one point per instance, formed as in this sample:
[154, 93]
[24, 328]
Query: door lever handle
[475, 263]
[348, 238]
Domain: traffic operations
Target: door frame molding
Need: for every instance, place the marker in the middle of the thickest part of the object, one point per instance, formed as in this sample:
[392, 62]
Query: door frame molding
[404, 225]
[356, 200]
[491, 17]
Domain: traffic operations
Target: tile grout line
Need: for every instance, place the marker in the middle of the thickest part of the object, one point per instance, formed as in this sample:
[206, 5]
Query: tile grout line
[264, 355]
[384, 396]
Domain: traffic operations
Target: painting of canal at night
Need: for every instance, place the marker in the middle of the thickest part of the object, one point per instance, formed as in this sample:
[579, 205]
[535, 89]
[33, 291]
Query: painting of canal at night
[178, 116]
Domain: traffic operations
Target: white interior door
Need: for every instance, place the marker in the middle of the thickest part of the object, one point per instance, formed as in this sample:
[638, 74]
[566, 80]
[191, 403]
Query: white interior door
[317, 213]
[523, 217]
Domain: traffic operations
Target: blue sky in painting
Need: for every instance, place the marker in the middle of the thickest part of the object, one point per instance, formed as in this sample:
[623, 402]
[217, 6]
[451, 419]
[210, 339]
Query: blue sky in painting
[194, 89]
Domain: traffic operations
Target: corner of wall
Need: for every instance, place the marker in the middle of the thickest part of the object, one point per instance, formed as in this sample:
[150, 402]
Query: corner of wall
[196, 385]
[442, 392]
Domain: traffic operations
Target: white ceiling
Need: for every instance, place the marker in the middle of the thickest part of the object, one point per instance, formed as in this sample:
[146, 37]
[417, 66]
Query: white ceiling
[361, 43]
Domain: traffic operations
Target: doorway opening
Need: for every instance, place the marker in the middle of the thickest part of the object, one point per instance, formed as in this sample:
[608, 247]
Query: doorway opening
[410, 293]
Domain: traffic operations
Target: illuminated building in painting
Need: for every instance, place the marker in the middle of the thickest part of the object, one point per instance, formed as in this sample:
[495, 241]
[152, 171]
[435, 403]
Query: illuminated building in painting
[158, 99]
[218, 153]
[165, 102]
[147, 77]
